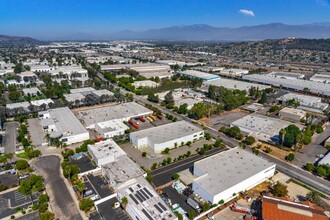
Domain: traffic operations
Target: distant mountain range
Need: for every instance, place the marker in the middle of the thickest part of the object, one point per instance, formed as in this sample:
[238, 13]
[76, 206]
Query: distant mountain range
[14, 40]
[202, 32]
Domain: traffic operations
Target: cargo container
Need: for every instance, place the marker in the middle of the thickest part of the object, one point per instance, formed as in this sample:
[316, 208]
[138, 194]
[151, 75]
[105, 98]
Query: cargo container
[142, 119]
[153, 117]
[150, 119]
[160, 117]
[133, 124]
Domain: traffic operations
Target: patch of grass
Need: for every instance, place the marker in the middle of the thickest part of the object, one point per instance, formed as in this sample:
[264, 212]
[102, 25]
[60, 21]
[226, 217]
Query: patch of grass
[309, 188]
[23, 155]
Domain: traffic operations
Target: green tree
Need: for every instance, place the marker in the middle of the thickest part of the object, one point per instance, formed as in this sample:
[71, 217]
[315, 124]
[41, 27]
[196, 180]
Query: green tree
[290, 157]
[32, 185]
[279, 190]
[86, 204]
[47, 215]
[314, 197]
[263, 98]
[168, 98]
[124, 201]
[218, 143]
[175, 176]
[207, 136]
[290, 135]
[22, 164]
[183, 109]
[249, 140]
[191, 214]
[321, 171]
[309, 167]
[149, 177]
[153, 98]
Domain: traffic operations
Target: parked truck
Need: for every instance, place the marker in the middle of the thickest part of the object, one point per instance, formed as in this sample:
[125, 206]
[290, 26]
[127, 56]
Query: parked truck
[194, 204]
[142, 119]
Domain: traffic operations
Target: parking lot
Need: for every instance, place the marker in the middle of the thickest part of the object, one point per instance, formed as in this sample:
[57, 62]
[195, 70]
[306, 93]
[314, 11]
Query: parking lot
[9, 139]
[36, 132]
[98, 185]
[84, 163]
[9, 180]
[148, 124]
[225, 119]
[106, 211]
[10, 201]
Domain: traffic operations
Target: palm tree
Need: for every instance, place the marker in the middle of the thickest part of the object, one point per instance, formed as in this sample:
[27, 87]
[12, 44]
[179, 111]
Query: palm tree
[47, 137]
[313, 197]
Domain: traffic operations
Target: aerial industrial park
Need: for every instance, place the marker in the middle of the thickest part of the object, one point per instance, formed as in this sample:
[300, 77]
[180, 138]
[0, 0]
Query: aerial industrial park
[154, 129]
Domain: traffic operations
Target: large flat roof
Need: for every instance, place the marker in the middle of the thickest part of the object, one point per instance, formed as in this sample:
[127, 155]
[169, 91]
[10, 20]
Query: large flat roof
[120, 111]
[321, 77]
[298, 84]
[234, 84]
[65, 121]
[145, 201]
[199, 74]
[167, 132]
[105, 149]
[263, 127]
[123, 169]
[112, 125]
[305, 100]
[229, 168]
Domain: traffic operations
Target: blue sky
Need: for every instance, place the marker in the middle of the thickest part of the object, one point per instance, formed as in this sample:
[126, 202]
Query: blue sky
[49, 18]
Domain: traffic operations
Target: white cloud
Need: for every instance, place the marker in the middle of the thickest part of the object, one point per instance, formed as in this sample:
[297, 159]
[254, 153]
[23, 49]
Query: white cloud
[246, 12]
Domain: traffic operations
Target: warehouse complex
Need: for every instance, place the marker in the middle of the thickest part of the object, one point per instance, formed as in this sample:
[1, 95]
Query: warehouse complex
[262, 127]
[297, 84]
[323, 78]
[62, 123]
[224, 175]
[306, 102]
[199, 75]
[108, 129]
[286, 75]
[233, 84]
[166, 136]
[105, 152]
[123, 112]
[233, 72]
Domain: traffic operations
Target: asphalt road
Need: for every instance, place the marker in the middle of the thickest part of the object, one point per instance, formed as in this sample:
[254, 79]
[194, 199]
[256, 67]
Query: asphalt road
[292, 171]
[9, 139]
[60, 197]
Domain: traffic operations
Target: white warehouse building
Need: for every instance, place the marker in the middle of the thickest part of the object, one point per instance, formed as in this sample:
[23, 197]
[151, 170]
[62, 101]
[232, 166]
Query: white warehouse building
[62, 123]
[166, 136]
[110, 128]
[224, 175]
[105, 152]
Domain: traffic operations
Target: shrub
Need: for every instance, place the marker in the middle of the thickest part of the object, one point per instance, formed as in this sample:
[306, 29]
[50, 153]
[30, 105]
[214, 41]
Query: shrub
[175, 176]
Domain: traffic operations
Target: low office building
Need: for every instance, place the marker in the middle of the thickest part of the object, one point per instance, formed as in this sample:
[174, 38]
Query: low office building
[108, 129]
[287, 75]
[105, 152]
[34, 91]
[84, 90]
[292, 114]
[233, 72]
[102, 92]
[144, 202]
[121, 171]
[262, 127]
[224, 175]
[232, 84]
[323, 78]
[42, 102]
[62, 123]
[306, 102]
[199, 75]
[74, 97]
[69, 72]
[189, 101]
[23, 105]
[171, 62]
[166, 136]
[123, 112]
[145, 83]
[274, 209]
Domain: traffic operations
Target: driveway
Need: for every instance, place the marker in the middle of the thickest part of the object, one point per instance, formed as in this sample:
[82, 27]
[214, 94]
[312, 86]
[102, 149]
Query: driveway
[61, 200]
[9, 139]
[36, 132]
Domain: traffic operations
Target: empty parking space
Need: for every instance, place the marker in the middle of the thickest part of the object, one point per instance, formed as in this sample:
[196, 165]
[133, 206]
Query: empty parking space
[225, 119]
[100, 185]
[107, 212]
[84, 163]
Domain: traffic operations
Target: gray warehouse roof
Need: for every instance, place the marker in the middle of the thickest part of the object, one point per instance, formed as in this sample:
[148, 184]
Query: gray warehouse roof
[298, 84]
[120, 111]
[226, 169]
[167, 132]
[65, 121]
[234, 84]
